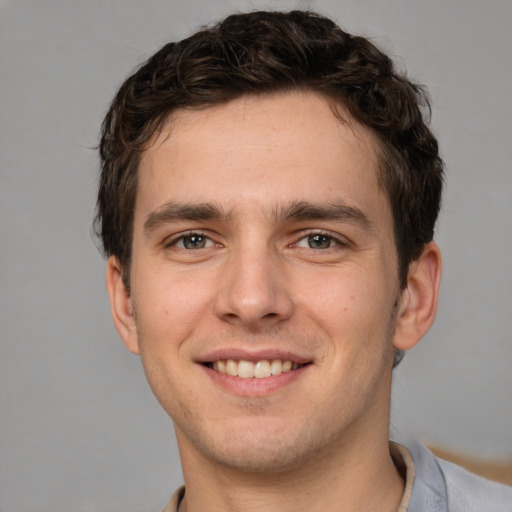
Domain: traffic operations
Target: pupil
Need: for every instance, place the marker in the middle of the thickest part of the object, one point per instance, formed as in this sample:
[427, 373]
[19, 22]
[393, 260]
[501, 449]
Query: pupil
[319, 242]
[194, 242]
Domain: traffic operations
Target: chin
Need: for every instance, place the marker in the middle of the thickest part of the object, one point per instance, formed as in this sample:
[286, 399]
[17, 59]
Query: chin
[259, 449]
[271, 458]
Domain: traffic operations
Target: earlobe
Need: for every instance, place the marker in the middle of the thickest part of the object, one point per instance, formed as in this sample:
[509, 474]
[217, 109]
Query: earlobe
[121, 305]
[418, 304]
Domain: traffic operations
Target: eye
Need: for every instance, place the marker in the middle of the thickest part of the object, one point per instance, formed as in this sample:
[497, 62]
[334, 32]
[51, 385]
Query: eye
[192, 241]
[318, 241]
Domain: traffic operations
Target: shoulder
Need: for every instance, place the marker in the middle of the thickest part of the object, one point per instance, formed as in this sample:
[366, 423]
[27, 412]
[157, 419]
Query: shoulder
[468, 492]
[452, 488]
[174, 503]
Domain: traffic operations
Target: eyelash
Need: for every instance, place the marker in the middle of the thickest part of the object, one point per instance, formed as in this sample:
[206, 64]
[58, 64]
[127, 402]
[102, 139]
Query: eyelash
[174, 241]
[337, 241]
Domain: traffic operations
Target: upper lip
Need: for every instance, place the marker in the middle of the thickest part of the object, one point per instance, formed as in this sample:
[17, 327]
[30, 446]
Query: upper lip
[259, 355]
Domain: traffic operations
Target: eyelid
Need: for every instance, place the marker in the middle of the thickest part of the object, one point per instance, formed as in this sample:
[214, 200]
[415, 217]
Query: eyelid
[338, 239]
[173, 240]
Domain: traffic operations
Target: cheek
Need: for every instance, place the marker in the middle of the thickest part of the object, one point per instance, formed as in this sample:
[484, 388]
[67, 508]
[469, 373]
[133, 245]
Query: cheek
[169, 308]
[168, 313]
[355, 313]
[353, 294]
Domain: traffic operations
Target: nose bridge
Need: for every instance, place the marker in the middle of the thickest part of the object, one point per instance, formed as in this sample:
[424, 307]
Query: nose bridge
[254, 289]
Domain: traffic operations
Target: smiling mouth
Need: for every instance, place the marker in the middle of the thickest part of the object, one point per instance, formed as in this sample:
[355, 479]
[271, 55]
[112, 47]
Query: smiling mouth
[257, 370]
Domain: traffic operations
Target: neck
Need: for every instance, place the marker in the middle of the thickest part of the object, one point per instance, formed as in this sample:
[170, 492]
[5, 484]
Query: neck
[363, 478]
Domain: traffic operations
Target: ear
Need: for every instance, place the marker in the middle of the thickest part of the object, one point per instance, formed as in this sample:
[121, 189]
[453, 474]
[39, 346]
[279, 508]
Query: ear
[121, 305]
[418, 302]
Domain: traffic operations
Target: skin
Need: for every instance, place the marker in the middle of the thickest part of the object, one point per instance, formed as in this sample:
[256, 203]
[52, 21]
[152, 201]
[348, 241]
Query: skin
[257, 287]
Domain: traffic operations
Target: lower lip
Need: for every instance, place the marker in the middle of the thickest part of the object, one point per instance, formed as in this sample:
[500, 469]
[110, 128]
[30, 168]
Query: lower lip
[253, 386]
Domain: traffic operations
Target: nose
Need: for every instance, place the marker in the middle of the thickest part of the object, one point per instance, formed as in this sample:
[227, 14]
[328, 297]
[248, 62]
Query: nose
[254, 291]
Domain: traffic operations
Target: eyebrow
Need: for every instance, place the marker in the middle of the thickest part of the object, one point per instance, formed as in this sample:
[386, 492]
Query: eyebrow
[299, 211]
[172, 212]
[334, 211]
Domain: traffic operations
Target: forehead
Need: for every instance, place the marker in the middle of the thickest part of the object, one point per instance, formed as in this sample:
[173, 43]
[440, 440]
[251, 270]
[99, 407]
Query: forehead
[261, 150]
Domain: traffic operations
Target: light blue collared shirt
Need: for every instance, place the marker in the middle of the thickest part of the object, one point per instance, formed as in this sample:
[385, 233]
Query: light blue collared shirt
[440, 486]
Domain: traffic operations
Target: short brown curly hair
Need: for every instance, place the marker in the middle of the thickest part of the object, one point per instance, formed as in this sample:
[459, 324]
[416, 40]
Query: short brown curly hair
[264, 52]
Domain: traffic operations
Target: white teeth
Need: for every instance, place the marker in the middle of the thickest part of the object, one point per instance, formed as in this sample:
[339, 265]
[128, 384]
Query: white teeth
[276, 367]
[259, 370]
[262, 369]
[221, 366]
[231, 367]
[245, 369]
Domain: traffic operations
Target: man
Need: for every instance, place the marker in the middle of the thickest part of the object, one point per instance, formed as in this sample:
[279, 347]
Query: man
[268, 197]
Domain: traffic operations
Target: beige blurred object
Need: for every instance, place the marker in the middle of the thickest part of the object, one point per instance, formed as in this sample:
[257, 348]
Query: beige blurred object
[497, 470]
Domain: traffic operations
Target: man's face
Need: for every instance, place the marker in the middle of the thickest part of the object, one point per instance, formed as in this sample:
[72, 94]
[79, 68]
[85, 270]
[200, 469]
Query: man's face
[261, 235]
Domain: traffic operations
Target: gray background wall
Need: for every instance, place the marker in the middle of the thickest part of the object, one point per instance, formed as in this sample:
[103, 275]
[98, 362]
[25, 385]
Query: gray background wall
[79, 428]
